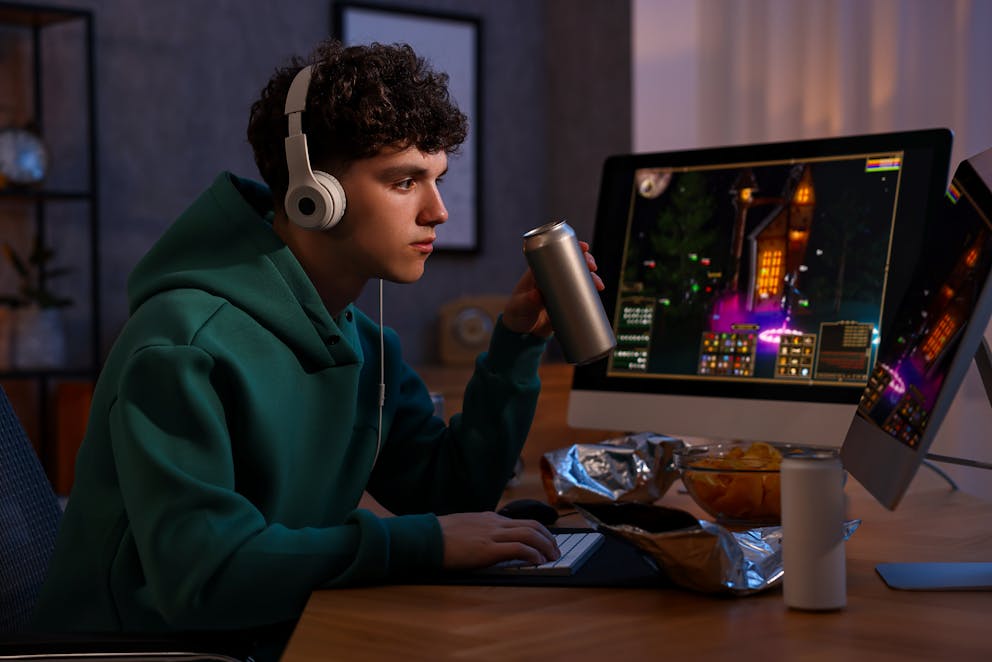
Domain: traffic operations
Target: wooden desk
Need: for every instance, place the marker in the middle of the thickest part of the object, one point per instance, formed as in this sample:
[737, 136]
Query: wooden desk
[517, 623]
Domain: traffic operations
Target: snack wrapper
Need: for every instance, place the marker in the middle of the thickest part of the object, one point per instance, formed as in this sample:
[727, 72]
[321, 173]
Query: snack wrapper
[633, 468]
[697, 554]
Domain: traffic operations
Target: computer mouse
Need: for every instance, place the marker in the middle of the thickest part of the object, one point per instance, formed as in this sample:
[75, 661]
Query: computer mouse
[544, 513]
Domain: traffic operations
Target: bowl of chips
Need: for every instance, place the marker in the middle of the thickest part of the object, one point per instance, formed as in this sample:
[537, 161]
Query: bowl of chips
[737, 483]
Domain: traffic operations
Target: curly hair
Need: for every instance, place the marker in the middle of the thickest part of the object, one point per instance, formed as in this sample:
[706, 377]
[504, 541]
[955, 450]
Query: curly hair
[360, 100]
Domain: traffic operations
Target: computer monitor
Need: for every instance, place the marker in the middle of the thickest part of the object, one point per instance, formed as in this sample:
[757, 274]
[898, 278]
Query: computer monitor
[746, 284]
[939, 331]
[921, 363]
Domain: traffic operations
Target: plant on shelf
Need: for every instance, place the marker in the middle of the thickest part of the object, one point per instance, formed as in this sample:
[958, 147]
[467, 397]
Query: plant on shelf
[37, 338]
[35, 273]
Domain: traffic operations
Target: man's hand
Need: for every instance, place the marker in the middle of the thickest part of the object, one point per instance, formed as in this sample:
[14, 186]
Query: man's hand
[525, 311]
[479, 540]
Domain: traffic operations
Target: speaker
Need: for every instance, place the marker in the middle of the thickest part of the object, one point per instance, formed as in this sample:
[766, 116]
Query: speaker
[314, 200]
[465, 326]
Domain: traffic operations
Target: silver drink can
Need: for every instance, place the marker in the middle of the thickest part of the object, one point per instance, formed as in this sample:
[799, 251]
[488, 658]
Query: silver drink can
[563, 277]
[813, 557]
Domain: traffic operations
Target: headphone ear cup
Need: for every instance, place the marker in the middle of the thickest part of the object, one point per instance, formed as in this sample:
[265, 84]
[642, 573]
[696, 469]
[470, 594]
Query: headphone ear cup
[335, 199]
[307, 205]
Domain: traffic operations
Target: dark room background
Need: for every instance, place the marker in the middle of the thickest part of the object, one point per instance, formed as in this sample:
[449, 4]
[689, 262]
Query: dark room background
[174, 81]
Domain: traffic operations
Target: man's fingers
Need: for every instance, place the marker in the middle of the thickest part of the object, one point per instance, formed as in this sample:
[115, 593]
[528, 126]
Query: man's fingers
[519, 551]
[591, 261]
[531, 534]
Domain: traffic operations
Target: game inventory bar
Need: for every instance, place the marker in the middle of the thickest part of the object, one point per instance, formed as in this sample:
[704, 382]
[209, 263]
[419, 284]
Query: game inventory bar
[728, 354]
[878, 382]
[845, 351]
[909, 419]
[634, 335]
[838, 352]
[796, 355]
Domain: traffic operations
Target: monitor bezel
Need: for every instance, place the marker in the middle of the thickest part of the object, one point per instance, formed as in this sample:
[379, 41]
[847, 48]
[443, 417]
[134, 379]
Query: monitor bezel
[592, 381]
[882, 464]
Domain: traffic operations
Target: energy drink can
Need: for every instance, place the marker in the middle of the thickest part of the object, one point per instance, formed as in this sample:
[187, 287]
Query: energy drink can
[813, 557]
[562, 275]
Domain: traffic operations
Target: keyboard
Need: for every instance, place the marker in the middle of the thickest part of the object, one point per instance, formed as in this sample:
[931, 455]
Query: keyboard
[576, 548]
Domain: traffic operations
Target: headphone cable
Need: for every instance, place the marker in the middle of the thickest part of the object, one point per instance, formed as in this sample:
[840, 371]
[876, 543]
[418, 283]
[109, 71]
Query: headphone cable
[382, 380]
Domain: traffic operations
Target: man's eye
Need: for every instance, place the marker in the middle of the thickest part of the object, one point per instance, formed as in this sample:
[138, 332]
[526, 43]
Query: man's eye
[405, 184]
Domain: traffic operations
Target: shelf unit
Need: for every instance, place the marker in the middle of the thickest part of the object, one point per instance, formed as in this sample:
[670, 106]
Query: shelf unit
[34, 23]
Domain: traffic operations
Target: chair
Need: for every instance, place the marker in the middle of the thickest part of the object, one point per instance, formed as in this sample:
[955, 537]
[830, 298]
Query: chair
[29, 516]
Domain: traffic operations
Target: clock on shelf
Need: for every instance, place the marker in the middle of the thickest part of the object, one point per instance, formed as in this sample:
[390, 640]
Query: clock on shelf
[466, 324]
[23, 157]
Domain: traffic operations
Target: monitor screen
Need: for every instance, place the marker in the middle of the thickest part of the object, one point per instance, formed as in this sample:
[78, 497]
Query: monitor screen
[746, 284]
[939, 325]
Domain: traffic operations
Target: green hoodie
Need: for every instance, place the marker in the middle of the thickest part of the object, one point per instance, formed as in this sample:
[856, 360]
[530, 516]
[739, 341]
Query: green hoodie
[233, 431]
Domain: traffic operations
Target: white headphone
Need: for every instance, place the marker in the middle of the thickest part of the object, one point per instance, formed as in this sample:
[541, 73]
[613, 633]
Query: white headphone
[314, 200]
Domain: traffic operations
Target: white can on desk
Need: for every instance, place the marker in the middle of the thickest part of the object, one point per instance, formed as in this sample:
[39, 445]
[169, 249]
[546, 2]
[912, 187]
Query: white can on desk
[813, 557]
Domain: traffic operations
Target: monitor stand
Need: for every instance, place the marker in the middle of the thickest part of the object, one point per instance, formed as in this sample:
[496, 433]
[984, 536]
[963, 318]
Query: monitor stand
[937, 576]
[946, 576]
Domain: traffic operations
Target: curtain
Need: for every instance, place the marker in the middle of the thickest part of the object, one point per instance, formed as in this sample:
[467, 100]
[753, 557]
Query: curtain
[789, 69]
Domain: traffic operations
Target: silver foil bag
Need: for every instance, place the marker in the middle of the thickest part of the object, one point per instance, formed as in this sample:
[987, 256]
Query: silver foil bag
[697, 554]
[634, 468]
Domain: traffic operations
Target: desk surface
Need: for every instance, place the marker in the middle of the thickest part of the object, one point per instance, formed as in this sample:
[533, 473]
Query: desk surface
[933, 523]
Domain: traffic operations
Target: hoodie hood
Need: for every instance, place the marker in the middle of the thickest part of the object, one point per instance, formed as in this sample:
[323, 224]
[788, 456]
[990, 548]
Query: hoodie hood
[224, 244]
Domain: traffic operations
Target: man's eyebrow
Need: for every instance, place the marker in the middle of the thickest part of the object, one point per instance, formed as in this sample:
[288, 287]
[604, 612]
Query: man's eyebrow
[407, 171]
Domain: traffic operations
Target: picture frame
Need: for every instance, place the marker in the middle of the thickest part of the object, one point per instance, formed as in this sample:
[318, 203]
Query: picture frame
[451, 43]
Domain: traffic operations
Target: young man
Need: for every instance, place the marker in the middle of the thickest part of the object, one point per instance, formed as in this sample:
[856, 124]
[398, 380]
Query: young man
[238, 418]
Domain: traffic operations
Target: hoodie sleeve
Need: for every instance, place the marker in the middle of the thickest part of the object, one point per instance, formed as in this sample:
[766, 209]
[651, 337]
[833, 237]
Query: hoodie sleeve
[426, 466]
[208, 556]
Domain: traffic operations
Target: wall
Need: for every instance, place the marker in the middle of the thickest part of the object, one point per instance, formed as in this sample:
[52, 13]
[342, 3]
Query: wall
[175, 81]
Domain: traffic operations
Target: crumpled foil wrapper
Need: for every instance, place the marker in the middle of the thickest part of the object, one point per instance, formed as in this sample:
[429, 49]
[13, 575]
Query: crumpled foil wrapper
[697, 554]
[635, 468]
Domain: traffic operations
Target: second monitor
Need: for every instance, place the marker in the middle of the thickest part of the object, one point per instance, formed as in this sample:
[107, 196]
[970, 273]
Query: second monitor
[746, 284]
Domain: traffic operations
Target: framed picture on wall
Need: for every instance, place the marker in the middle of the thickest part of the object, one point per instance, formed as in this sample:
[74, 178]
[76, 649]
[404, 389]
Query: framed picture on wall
[450, 43]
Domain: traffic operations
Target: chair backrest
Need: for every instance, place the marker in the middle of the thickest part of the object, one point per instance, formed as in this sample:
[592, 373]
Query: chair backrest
[29, 517]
